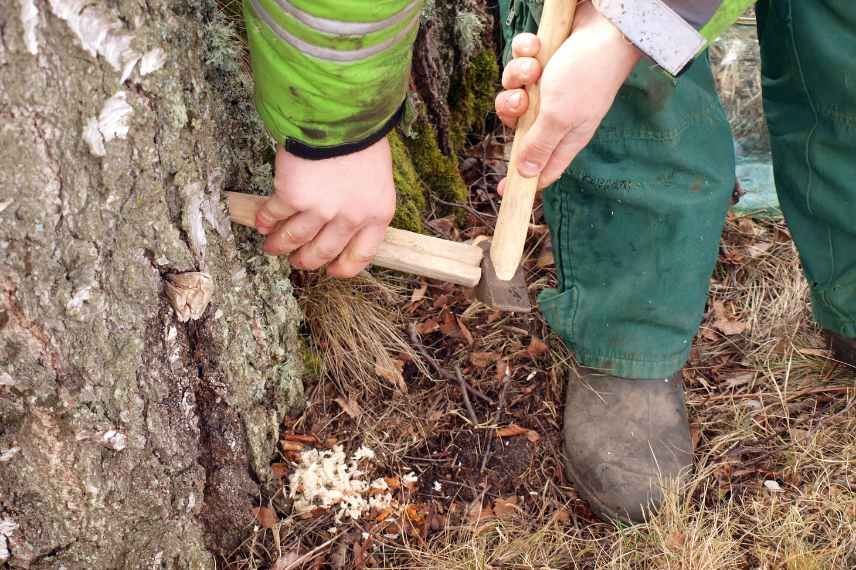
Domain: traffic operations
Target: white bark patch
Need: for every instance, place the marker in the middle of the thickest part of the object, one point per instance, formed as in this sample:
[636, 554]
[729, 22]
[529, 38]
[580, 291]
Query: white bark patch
[151, 61]
[194, 200]
[8, 454]
[114, 440]
[99, 33]
[111, 123]
[30, 21]
[6, 379]
[83, 294]
[7, 527]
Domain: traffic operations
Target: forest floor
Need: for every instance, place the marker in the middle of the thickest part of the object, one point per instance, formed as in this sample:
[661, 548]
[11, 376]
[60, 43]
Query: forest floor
[773, 419]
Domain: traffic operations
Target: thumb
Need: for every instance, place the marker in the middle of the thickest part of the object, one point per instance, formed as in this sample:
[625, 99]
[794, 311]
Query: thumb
[272, 211]
[538, 145]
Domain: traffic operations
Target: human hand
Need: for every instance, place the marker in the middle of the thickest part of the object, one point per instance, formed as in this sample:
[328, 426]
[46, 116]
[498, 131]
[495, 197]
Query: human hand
[577, 88]
[330, 212]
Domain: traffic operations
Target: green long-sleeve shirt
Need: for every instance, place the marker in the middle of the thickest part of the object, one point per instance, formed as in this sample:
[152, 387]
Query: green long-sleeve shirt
[332, 75]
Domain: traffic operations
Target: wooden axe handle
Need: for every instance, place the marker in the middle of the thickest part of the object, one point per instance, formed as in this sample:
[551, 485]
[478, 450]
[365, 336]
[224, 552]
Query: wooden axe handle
[409, 252]
[512, 224]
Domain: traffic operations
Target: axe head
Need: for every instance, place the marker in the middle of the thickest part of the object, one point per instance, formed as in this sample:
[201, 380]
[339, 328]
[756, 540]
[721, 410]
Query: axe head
[510, 295]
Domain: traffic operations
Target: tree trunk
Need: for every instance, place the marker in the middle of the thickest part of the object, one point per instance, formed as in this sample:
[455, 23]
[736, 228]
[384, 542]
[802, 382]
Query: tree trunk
[128, 438]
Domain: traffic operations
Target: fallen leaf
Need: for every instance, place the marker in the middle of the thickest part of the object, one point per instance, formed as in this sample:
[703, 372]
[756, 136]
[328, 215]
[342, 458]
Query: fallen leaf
[427, 327]
[291, 445]
[758, 249]
[724, 321]
[266, 516]
[477, 514]
[450, 327]
[533, 436]
[536, 348]
[695, 435]
[443, 225]
[441, 302]
[419, 293]
[392, 373]
[279, 470]
[285, 561]
[465, 332]
[506, 507]
[483, 359]
[746, 225]
[302, 438]
[740, 379]
[350, 407]
[512, 430]
[503, 369]
[415, 515]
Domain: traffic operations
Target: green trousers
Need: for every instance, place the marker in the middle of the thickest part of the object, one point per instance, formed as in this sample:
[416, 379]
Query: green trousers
[636, 220]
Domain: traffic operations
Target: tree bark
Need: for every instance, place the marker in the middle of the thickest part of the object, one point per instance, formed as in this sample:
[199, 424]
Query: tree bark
[130, 439]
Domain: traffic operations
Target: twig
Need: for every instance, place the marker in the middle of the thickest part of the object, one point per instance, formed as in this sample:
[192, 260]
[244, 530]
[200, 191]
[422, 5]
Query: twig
[473, 417]
[310, 555]
[506, 380]
[445, 374]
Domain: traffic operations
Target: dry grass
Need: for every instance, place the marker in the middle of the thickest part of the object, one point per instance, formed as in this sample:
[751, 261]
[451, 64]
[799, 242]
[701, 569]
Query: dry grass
[768, 404]
[355, 325]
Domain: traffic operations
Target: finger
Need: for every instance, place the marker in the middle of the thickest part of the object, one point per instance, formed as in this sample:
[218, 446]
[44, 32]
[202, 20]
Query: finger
[325, 247]
[567, 150]
[500, 188]
[538, 145]
[294, 232]
[273, 211]
[521, 72]
[510, 105]
[525, 45]
[359, 253]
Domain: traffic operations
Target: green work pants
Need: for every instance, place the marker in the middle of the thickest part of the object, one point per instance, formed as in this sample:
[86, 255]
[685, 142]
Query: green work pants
[637, 218]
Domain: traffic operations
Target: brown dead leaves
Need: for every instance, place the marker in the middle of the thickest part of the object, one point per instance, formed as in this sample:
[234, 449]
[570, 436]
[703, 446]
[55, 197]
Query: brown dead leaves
[515, 430]
[725, 322]
[265, 516]
[393, 372]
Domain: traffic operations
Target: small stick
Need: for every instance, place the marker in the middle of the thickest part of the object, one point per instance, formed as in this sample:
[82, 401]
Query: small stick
[506, 380]
[445, 374]
[473, 417]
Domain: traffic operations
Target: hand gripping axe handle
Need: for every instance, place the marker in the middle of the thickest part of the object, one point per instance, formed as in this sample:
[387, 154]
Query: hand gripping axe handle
[515, 212]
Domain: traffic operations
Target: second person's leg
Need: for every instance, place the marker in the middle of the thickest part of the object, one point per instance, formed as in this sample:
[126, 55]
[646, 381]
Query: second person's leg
[809, 79]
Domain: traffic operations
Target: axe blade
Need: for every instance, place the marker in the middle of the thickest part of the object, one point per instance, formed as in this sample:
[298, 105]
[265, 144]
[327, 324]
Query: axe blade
[512, 295]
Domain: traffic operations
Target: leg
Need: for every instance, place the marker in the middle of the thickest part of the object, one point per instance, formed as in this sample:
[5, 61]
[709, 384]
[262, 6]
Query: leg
[809, 83]
[636, 222]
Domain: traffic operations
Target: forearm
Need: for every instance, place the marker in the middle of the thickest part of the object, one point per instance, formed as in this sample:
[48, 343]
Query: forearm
[331, 75]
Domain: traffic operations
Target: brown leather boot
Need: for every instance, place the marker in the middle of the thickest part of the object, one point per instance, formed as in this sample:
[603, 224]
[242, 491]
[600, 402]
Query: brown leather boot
[622, 438]
[843, 348]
